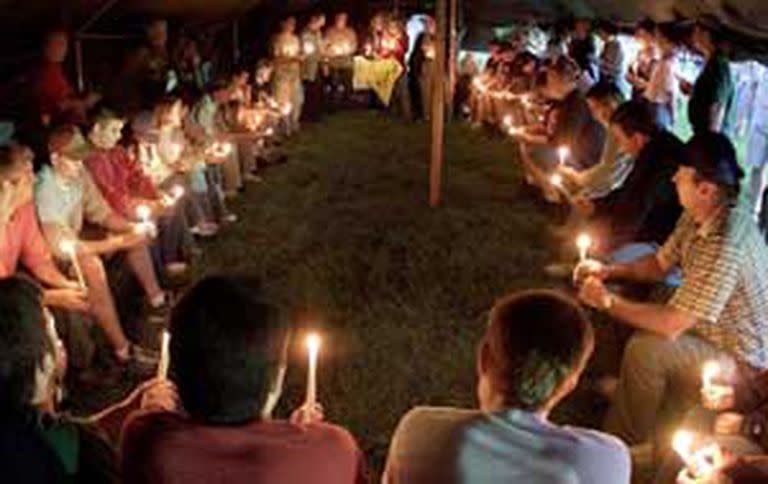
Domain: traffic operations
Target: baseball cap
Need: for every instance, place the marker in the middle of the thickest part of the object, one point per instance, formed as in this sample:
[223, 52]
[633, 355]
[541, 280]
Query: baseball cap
[713, 157]
[68, 141]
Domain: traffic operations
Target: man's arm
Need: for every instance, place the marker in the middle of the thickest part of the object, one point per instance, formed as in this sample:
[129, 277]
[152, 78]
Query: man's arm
[661, 319]
[650, 268]
[664, 320]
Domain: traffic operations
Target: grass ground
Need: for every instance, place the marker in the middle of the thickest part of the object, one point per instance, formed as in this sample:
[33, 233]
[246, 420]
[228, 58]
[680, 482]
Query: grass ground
[344, 239]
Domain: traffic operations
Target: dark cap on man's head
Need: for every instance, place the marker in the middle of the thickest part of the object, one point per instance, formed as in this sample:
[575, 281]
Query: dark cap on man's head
[713, 157]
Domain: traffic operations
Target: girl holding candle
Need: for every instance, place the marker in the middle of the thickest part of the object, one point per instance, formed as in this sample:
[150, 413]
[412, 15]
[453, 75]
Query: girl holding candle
[286, 54]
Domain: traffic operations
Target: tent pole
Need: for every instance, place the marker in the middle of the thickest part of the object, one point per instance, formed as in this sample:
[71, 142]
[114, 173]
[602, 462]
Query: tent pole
[438, 107]
[105, 7]
[453, 20]
[79, 65]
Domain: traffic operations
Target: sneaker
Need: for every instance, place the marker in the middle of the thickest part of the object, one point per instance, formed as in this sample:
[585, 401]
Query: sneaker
[140, 360]
[205, 229]
[176, 269]
[559, 270]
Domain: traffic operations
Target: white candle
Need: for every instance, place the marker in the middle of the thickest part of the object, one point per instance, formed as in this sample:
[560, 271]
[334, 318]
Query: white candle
[69, 247]
[287, 108]
[165, 356]
[709, 372]
[563, 153]
[508, 120]
[143, 212]
[309, 48]
[584, 243]
[313, 347]
[557, 181]
[682, 443]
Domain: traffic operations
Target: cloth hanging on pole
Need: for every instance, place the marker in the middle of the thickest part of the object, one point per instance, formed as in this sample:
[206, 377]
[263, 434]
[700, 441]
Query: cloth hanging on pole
[379, 75]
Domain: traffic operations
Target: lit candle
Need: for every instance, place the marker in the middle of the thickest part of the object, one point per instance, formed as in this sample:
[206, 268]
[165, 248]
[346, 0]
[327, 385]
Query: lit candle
[709, 372]
[563, 152]
[69, 247]
[313, 347]
[557, 181]
[508, 120]
[309, 48]
[287, 109]
[682, 443]
[165, 356]
[144, 213]
[584, 243]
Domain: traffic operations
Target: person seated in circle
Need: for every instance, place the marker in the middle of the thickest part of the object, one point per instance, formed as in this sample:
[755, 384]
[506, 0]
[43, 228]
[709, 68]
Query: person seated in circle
[531, 357]
[228, 353]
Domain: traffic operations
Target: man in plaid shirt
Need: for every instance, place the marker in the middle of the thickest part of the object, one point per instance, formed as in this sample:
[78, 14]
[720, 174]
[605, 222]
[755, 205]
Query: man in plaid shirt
[719, 312]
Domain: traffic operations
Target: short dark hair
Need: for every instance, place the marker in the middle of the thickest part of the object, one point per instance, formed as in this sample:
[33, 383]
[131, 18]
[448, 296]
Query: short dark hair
[23, 342]
[226, 345]
[608, 27]
[647, 24]
[535, 339]
[636, 116]
[603, 92]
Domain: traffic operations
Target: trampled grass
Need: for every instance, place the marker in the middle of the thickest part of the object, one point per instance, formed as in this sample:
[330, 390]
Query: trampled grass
[343, 238]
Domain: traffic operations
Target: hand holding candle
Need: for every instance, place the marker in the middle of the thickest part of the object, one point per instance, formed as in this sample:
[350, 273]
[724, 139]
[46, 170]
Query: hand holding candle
[715, 395]
[69, 248]
[145, 225]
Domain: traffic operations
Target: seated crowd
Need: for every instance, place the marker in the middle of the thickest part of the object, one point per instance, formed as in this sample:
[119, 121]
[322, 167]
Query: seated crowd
[130, 183]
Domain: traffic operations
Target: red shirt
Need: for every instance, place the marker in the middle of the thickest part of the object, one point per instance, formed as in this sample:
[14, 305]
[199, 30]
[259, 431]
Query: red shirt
[167, 448]
[21, 239]
[120, 179]
[52, 88]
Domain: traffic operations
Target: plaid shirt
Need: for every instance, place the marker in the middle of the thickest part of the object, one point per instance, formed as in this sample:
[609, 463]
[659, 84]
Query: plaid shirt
[725, 282]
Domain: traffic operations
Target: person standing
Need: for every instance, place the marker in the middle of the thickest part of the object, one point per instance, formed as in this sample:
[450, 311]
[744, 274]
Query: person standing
[312, 53]
[286, 87]
[661, 87]
[712, 95]
[340, 47]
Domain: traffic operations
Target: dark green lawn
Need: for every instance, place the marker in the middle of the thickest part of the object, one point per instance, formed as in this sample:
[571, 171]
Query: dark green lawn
[344, 239]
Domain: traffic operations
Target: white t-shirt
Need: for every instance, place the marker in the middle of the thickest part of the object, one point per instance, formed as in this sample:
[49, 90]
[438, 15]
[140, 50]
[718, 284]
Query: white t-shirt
[661, 86]
[454, 446]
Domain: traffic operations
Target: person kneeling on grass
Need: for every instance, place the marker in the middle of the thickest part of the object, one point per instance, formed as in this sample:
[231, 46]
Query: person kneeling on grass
[228, 355]
[66, 197]
[534, 350]
[718, 312]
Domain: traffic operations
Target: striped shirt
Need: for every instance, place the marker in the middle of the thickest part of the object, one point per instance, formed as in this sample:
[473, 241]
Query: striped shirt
[725, 281]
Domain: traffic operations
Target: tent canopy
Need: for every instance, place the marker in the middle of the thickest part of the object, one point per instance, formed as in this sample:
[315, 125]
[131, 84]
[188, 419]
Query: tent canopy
[746, 20]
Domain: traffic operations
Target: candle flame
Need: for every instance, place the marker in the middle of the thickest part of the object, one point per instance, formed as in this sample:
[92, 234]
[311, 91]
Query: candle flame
[68, 246]
[584, 242]
[709, 372]
[313, 343]
[682, 443]
[143, 212]
[177, 191]
[563, 152]
[508, 120]
[556, 180]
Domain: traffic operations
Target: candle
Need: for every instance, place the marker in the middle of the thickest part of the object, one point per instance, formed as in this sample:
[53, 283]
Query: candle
[515, 130]
[287, 108]
[508, 120]
[69, 247]
[165, 357]
[709, 372]
[313, 347]
[368, 49]
[682, 443]
[177, 191]
[143, 212]
[563, 152]
[584, 243]
[557, 181]
[309, 48]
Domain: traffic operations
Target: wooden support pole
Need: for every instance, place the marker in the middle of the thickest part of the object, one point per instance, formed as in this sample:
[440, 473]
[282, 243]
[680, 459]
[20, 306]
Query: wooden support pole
[453, 56]
[438, 106]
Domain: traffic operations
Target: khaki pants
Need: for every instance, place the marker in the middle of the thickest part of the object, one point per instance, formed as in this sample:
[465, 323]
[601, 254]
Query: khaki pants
[659, 381]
